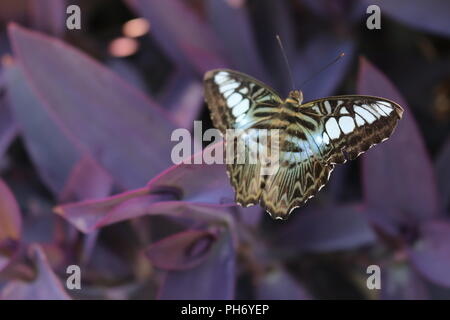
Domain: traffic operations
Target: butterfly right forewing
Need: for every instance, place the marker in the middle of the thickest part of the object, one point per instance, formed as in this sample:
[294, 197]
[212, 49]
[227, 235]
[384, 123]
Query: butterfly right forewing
[347, 126]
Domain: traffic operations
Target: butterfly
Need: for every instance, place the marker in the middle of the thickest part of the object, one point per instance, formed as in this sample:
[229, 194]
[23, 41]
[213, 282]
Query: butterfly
[313, 137]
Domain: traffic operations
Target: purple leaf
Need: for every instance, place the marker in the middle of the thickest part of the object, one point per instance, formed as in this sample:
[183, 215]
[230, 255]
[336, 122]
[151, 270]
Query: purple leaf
[443, 174]
[213, 279]
[397, 174]
[390, 221]
[105, 263]
[10, 223]
[182, 180]
[317, 53]
[401, 282]
[206, 213]
[181, 33]
[250, 216]
[173, 191]
[184, 98]
[128, 72]
[184, 250]
[46, 285]
[48, 16]
[328, 229]
[277, 284]
[86, 215]
[234, 29]
[121, 128]
[87, 181]
[51, 150]
[431, 253]
[431, 15]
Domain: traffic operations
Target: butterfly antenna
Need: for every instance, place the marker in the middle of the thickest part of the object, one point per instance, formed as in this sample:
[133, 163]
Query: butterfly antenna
[323, 69]
[286, 61]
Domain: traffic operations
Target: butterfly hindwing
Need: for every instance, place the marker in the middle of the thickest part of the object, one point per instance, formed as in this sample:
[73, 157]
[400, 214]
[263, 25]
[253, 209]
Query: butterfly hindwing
[246, 180]
[293, 184]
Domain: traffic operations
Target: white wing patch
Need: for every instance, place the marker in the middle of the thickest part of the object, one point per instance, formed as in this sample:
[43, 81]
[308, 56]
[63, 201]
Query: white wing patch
[240, 118]
[385, 103]
[327, 106]
[332, 128]
[220, 77]
[234, 99]
[244, 90]
[325, 138]
[366, 115]
[386, 107]
[241, 108]
[347, 124]
[372, 110]
[228, 86]
[343, 111]
[359, 121]
[228, 93]
[377, 108]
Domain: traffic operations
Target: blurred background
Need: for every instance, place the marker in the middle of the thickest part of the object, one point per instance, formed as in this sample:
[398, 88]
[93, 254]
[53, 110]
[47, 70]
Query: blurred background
[86, 178]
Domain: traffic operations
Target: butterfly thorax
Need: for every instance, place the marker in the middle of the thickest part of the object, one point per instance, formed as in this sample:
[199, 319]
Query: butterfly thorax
[295, 98]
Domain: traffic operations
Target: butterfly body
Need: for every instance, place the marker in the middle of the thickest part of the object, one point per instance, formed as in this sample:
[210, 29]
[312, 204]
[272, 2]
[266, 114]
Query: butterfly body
[313, 137]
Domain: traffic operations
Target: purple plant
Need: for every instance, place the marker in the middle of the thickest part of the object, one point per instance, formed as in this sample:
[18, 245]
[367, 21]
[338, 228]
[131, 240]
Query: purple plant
[87, 178]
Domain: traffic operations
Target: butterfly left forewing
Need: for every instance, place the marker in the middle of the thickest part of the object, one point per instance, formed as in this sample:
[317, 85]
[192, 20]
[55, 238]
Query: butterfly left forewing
[238, 101]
